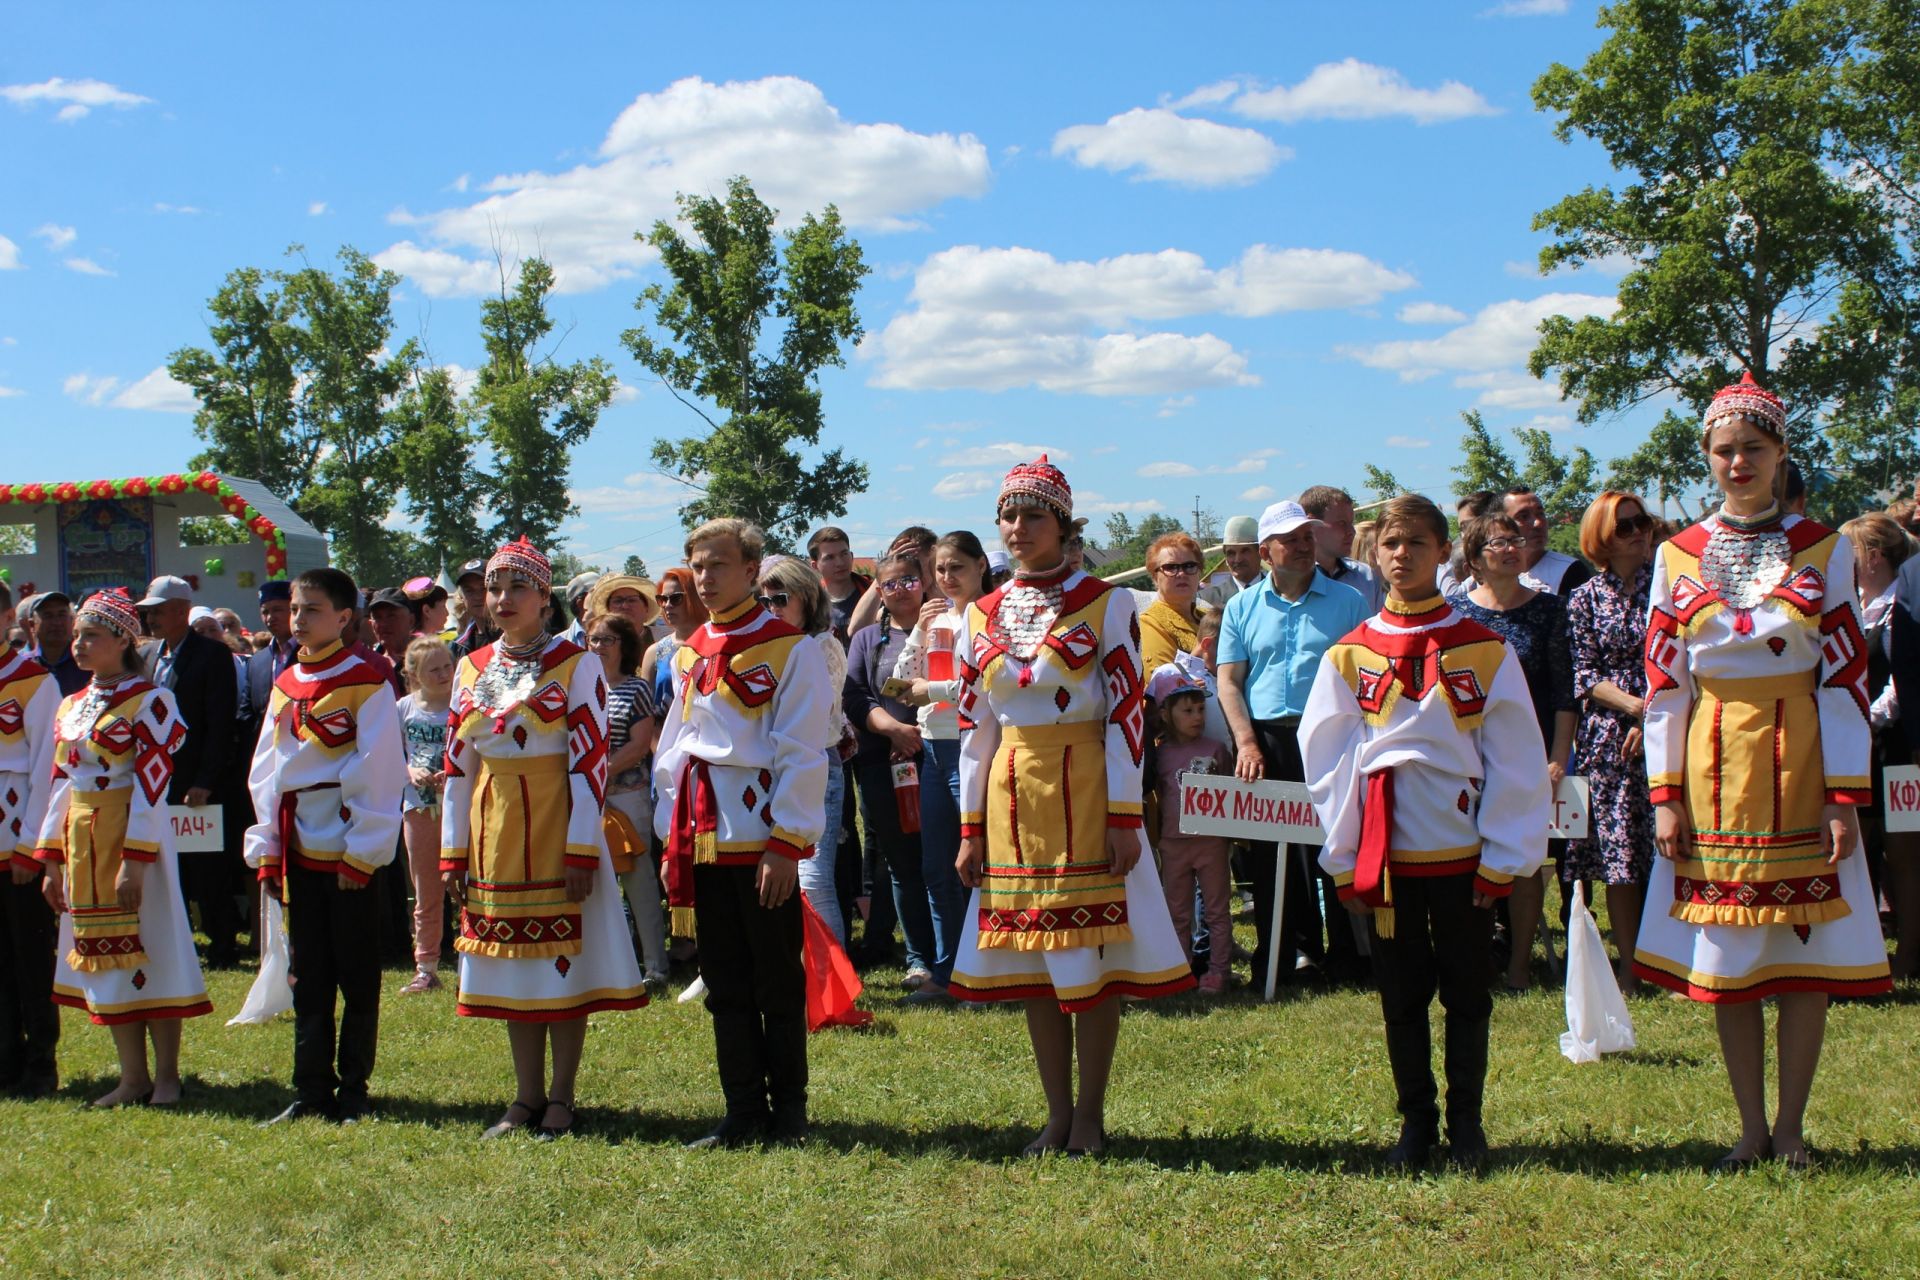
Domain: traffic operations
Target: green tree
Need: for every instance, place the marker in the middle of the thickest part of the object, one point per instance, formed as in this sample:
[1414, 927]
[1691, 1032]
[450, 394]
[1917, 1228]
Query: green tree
[296, 394]
[1564, 482]
[729, 279]
[1744, 229]
[436, 448]
[1383, 483]
[1119, 530]
[635, 567]
[532, 410]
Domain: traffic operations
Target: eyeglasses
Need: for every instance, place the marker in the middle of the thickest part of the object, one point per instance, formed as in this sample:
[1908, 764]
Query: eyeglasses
[1184, 566]
[774, 600]
[1632, 525]
[1506, 544]
[602, 639]
[893, 585]
[672, 599]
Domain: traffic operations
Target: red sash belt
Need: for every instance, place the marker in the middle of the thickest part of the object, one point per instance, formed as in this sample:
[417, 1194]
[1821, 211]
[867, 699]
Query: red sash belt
[284, 824]
[695, 815]
[1372, 881]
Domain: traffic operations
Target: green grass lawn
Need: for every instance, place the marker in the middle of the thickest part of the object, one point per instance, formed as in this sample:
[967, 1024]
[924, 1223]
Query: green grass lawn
[1246, 1141]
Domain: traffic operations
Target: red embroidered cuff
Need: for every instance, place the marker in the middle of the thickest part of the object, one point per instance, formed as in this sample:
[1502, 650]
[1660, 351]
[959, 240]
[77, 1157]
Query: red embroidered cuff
[1666, 795]
[1346, 893]
[26, 862]
[1491, 888]
[1846, 795]
[450, 864]
[269, 871]
[973, 830]
[133, 853]
[585, 862]
[1125, 822]
[787, 849]
[52, 857]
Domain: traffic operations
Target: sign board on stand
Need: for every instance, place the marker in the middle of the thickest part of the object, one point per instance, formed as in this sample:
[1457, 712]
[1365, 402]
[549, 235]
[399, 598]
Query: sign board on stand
[1903, 798]
[197, 830]
[1218, 804]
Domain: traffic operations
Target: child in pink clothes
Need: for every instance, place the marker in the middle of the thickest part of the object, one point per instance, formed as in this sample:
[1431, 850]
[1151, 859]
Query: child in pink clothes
[1184, 748]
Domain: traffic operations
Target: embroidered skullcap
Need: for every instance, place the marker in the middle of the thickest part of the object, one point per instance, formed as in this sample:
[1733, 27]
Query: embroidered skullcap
[523, 558]
[113, 610]
[1042, 480]
[1748, 399]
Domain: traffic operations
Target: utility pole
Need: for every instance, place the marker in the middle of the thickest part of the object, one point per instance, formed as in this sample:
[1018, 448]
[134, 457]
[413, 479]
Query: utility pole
[1195, 526]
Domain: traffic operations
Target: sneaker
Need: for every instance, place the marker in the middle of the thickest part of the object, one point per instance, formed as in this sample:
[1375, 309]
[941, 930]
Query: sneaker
[915, 979]
[423, 981]
[694, 990]
[928, 992]
[656, 983]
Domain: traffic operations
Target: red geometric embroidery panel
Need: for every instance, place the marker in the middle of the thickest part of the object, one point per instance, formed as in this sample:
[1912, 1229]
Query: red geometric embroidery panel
[1843, 654]
[1127, 697]
[587, 748]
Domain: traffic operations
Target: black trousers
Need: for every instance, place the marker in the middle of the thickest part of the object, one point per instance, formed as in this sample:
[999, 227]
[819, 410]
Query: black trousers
[1440, 942]
[1311, 897]
[335, 937]
[750, 958]
[29, 1020]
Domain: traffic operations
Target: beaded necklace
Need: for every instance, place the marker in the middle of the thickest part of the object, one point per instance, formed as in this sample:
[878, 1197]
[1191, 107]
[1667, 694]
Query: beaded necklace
[1029, 606]
[510, 675]
[1744, 560]
[81, 717]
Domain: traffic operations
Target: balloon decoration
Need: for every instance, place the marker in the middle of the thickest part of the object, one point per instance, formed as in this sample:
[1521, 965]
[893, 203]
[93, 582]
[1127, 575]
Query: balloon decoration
[172, 485]
[215, 566]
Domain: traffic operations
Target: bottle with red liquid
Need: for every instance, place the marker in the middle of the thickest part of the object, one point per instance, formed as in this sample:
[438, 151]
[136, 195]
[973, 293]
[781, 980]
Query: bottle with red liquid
[906, 796]
[940, 657]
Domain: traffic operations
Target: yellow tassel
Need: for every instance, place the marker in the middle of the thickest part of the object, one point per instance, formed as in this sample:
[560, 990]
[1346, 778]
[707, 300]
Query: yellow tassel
[1057, 939]
[516, 950]
[680, 922]
[1747, 917]
[1383, 921]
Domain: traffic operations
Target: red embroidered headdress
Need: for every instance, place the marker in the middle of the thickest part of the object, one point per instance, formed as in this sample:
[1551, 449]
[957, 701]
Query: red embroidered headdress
[1748, 399]
[523, 558]
[113, 610]
[1042, 480]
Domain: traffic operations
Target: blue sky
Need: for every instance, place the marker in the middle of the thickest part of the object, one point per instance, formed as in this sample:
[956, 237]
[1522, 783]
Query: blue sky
[1214, 250]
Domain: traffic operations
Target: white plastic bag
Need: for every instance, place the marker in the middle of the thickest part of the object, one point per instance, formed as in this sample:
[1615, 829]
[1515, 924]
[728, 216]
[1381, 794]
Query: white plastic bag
[1597, 1020]
[272, 992]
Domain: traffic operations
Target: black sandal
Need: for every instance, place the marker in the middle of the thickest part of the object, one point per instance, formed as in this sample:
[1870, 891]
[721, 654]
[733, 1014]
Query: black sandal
[546, 1132]
[502, 1128]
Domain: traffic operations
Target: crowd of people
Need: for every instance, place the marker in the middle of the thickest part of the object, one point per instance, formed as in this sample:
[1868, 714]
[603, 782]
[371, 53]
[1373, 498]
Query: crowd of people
[969, 764]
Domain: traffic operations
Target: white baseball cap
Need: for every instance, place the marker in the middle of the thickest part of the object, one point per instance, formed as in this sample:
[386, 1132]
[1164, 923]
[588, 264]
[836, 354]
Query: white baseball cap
[164, 588]
[1282, 518]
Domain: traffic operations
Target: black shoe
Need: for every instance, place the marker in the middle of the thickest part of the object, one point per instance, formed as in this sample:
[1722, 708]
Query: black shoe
[789, 1129]
[1415, 1148]
[30, 1088]
[1466, 1146]
[732, 1132]
[353, 1109]
[302, 1110]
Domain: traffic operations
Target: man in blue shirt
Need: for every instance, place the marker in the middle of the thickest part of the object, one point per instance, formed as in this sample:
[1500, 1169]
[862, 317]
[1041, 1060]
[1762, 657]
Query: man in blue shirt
[1272, 638]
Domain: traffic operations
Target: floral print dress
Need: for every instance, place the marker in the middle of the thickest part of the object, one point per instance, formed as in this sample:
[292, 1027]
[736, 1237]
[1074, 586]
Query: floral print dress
[1607, 619]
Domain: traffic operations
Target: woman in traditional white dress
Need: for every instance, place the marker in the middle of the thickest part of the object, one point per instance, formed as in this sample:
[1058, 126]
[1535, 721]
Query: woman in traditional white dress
[1067, 915]
[1757, 746]
[125, 953]
[542, 939]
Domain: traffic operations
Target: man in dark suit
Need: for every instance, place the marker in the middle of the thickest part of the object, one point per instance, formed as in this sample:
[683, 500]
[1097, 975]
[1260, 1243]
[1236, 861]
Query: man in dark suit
[265, 665]
[200, 673]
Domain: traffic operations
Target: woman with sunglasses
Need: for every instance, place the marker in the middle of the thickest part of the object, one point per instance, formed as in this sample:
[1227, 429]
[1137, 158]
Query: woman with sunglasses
[1607, 627]
[928, 662]
[1167, 625]
[1534, 625]
[682, 614]
[793, 593]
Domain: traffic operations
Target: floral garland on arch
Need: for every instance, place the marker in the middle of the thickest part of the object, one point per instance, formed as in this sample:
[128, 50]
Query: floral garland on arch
[207, 482]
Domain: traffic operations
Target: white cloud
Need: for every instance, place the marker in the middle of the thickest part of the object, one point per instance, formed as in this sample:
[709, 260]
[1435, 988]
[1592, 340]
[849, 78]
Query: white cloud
[56, 236]
[691, 136]
[317, 208]
[5, 392]
[88, 389]
[1089, 503]
[993, 319]
[1354, 90]
[964, 484]
[1429, 313]
[1208, 95]
[86, 267]
[1498, 337]
[1164, 146]
[1244, 465]
[1004, 454]
[1172, 405]
[1503, 390]
[78, 96]
[1408, 442]
[1259, 493]
[1614, 265]
[1526, 9]
[161, 206]
[156, 392]
[644, 495]
[9, 255]
[1550, 421]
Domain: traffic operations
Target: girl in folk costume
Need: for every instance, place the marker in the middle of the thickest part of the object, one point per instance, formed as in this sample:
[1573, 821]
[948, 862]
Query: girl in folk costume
[542, 941]
[1423, 752]
[125, 953]
[1757, 746]
[1067, 913]
[29, 1023]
